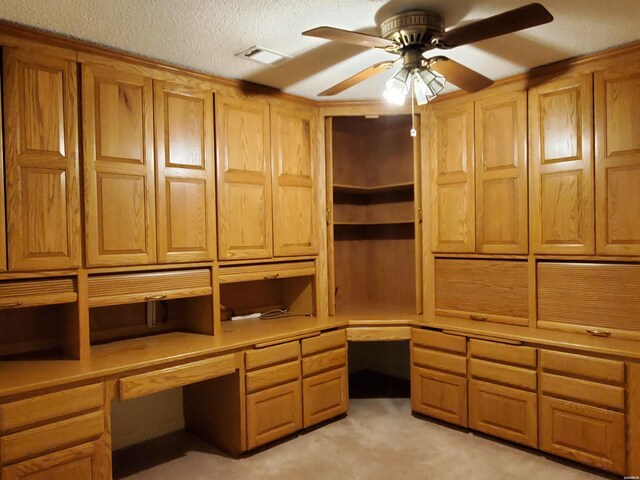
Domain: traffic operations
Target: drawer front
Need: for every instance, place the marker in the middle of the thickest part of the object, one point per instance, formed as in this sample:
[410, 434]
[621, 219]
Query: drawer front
[155, 381]
[583, 390]
[273, 414]
[119, 288]
[30, 443]
[247, 273]
[325, 396]
[438, 340]
[31, 293]
[506, 374]
[586, 434]
[272, 376]
[324, 361]
[440, 360]
[581, 366]
[504, 412]
[439, 395]
[326, 341]
[263, 357]
[30, 411]
[516, 355]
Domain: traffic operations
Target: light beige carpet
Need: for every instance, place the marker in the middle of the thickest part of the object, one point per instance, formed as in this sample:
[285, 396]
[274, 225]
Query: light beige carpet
[379, 439]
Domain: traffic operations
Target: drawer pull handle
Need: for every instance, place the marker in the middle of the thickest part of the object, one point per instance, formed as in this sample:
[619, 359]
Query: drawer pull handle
[271, 277]
[478, 318]
[599, 333]
[10, 305]
[151, 298]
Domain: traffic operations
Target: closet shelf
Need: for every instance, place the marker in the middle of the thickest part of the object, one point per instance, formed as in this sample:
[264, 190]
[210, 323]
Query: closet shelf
[366, 190]
[386, 222]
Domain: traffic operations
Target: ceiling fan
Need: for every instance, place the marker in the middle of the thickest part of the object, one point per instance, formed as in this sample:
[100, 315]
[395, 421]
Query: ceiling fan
[411, 34]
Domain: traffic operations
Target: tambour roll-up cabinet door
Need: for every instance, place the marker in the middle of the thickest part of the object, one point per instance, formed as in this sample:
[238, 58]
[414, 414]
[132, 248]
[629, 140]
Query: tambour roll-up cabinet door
[243, 178]
[41, 145]
[185, 173]
[501, 174]
[617, 104]
[560, 137]
[293, 146]
[119, 167]
[449, 130]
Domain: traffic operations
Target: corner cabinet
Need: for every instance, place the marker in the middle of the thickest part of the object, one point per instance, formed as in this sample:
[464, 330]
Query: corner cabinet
[266, 179]
[41, 145]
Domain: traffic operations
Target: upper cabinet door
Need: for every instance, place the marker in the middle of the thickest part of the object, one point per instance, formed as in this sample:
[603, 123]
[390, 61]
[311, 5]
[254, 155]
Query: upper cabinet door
[243, 179]
[293, 146]
[617, 119]
[185, 173]
[501, 174]
[449, 154]
[117, 109]
[43, 192]
[560, 138]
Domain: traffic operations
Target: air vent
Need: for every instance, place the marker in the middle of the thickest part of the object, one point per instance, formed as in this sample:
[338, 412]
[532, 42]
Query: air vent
[263, 55]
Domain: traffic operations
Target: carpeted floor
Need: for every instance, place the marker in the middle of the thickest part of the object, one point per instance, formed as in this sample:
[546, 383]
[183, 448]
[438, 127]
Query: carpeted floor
[379, 439]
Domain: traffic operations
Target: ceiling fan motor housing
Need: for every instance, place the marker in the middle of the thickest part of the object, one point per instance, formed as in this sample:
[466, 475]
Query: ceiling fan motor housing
[413, 28]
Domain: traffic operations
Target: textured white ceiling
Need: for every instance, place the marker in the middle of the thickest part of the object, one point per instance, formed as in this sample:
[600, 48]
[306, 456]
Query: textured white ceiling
[205, 34]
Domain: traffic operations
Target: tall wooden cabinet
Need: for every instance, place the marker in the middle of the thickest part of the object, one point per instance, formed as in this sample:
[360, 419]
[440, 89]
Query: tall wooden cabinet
[41, 145]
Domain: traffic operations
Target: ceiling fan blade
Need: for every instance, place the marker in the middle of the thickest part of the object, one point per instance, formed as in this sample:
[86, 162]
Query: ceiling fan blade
[357, 78]
[461, 76]
[347, 36]
[507, 22]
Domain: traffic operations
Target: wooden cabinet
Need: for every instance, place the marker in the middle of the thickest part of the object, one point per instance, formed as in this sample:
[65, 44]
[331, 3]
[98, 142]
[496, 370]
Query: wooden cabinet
[41, 146]
[617, 159]
[3, 230]
[119, 170]
[560, 140]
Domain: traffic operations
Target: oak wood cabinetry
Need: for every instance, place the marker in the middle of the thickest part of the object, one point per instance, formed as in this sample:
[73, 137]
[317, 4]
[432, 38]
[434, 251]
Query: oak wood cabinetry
[3, 230]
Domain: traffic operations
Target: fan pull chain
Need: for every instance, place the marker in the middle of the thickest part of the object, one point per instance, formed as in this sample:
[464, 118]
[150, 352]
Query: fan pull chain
[413, 127]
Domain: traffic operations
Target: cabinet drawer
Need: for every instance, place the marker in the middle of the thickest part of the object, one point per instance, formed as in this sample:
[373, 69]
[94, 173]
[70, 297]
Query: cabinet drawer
[440, 360]
[155, 381]
[324, 361]
[439, 395]
[590, 392]
[439, 341]
[249, 273]
[516, 355]
[115, 289]
[30, 443]
[586, 434]
[597, 369]
[326, 341]
[27, 412]
[271, 376]
[273, 413]
[505, 412]
[263, 357]
[31, 293]
[325, 396]
[494, 290]
[506, 374]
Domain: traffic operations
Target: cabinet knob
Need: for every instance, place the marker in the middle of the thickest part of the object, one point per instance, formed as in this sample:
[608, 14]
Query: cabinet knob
[478, 318]
[151, 298]
[599, 333]
[10, 305]
[271, 277]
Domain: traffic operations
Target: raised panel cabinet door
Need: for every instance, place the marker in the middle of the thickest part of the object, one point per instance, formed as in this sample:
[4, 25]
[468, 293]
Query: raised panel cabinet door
[185, 173]
[41, 146]
[439, 395]
[501, 174]
[617, 123]
[325, 396]
[561, 159]
[117, 110]
[293, 147]
[449, 154]
[243, 178]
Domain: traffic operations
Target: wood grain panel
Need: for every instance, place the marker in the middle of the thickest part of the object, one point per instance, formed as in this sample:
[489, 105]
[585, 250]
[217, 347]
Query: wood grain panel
[325, 396]
[596, 369]
[243, 178]
[504, 412]
[440, 360]
[272, 376]
[617, 160]
[505, 374]
[263, 357]
[119, 167]
[294, 165]
[562, 190]
[608, 294]
[439, 395]
[449, 130]
[582, 390]
[320, 362]
[501, 174]
[485, 287]
[3, 228]
[30, 293]
[185, 173]
[42, 185]
[326, 341]
[512, 354]
[439, 340]
[248, 273]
